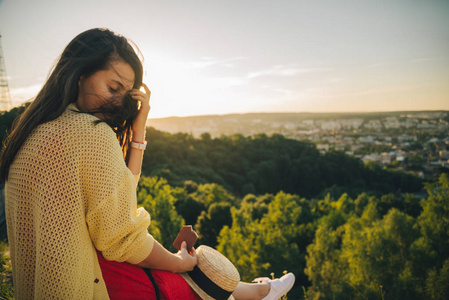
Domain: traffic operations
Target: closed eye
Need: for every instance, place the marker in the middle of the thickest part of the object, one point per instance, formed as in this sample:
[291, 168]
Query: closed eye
[112, 90]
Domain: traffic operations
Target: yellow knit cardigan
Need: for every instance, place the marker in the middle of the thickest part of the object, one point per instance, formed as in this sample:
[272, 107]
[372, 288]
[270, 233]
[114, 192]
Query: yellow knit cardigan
[68, 193]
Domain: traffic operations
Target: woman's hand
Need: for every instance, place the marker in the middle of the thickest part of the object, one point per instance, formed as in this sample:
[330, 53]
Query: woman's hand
[187, 260]
[139, 123]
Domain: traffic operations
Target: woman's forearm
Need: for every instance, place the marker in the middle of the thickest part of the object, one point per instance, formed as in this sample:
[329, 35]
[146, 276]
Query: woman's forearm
[161, 259]
[136, 155]
[139, 127]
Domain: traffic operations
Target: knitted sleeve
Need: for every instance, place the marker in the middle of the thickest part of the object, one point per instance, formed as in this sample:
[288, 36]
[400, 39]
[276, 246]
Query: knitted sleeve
[117, 228]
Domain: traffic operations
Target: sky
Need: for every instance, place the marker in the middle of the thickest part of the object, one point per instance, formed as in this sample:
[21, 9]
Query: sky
[239, 56]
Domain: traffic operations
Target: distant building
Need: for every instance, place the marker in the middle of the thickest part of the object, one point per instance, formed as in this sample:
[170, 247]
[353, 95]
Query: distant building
[392, 123]
[324, 147]
[400, 158]
[366, 139]
[330, 125]
[290, 126]
[444, 155]
[372, 157]
[308, 123]
[373, 124]
[444, 164]
[340, 147]
[410, 123]
[426, 126]
[351, 123]
[386, 158]
[406, 138]
[355, 147]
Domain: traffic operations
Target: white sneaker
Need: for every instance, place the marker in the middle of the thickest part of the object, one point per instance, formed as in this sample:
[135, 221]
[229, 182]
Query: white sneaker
[280, 286]
[262, 280]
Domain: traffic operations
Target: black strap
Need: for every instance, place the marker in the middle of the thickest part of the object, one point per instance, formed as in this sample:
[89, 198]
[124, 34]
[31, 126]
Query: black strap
[150, 276]
[207, 285]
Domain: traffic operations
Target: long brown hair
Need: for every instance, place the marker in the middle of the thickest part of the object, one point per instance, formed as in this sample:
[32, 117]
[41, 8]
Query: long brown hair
[88, 52]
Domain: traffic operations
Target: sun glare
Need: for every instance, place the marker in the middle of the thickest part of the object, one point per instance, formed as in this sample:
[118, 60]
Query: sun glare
[180, 89]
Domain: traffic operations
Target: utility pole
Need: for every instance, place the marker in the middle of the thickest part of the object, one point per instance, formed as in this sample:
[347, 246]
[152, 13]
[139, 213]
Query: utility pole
[5, 97]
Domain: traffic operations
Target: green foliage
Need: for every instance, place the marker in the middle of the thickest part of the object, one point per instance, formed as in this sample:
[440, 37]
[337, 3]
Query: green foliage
[213, 193]
[189, 208]
[373, 148]
[434, 219]
[437, 283]
[6, 286]
[272, 243]
[158, 198]
[262, 164]
[431, 249]
[324, 267]
[7, 118]
[377, 254]
[369, 248]
[210, 224]
[338, 248]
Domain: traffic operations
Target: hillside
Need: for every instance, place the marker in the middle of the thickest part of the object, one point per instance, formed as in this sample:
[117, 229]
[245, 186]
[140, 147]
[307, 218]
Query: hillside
[263, 164]
[283, 123]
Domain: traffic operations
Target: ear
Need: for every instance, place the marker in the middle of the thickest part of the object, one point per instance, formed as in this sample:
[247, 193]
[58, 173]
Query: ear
[81, 79]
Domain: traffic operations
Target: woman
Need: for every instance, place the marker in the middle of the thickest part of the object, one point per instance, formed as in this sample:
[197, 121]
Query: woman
[71, 187]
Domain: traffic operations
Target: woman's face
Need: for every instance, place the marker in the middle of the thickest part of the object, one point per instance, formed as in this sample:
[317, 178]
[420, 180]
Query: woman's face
[105, 85]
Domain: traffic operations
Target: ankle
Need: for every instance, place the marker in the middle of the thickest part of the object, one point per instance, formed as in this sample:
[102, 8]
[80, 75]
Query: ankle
[264, 289]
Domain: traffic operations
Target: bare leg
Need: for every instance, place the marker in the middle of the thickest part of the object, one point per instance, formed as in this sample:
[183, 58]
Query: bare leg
[251, 291]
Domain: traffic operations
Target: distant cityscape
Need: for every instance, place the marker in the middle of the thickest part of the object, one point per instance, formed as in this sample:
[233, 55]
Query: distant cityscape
[414, 142]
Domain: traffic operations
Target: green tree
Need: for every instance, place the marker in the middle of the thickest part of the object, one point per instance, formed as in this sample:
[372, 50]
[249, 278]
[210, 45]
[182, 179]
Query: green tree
[189, 208]
[358, 255]
[6, 282]
[210, 224]
[431, 249]
[378, 254]
[437, 283]
[158, 198]
[324, 266]
[7, 118]
[270, 244]
[434, 220]
[261, 164]
[213, 193]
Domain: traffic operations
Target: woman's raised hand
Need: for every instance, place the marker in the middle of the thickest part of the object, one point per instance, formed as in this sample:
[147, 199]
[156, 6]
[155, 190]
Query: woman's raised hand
[141, 119]
[187, 260]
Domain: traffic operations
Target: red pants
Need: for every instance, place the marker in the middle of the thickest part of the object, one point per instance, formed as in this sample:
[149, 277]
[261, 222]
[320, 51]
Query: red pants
[127, 281]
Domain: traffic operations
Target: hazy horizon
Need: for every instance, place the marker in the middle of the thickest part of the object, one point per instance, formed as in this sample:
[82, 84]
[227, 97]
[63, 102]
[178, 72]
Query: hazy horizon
[306, 112]
[218, 58]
